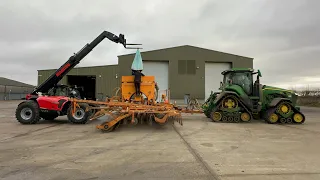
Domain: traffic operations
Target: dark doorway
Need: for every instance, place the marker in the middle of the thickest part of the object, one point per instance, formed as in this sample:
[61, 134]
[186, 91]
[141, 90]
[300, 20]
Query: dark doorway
[87, 85]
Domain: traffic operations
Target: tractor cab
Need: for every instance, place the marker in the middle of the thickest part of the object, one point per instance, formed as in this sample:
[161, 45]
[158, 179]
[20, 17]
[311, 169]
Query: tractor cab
[241, 81]
[244, 79]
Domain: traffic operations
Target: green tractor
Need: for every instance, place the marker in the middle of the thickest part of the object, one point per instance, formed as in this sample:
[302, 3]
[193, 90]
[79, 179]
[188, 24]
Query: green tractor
[241, 100]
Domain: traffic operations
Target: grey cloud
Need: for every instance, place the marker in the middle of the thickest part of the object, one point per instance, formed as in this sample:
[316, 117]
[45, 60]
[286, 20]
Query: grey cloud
[282, 36]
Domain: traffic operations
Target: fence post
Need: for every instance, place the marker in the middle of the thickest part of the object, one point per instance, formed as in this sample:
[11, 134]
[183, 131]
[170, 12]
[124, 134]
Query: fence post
[5, 92]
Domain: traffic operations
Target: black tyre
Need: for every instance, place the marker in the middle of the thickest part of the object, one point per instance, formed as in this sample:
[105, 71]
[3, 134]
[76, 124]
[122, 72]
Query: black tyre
[28, 112]
[80, 116]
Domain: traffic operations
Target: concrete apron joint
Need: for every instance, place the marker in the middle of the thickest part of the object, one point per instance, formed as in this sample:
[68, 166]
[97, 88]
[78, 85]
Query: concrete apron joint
[198, 158]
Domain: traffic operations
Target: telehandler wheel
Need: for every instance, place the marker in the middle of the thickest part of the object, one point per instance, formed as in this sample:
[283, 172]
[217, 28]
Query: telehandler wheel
[80, 116]
[28, 112]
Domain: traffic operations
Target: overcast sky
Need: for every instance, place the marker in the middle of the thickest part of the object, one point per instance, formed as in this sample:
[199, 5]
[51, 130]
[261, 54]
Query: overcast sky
[283, 36]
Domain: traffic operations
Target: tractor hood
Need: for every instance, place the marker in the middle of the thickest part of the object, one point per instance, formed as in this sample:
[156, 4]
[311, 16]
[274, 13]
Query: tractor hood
[277, 89]
[287, 93]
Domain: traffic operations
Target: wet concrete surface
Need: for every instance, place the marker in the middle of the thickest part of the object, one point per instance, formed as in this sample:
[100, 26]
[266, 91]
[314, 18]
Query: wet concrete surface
[199, 149]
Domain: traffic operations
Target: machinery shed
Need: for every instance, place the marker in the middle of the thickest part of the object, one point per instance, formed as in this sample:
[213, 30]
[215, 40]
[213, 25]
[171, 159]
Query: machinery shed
[98, 82]
[185, 70]
[13, 90]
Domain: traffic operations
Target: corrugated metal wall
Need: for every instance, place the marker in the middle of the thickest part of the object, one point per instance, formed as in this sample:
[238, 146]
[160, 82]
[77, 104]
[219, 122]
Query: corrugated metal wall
[107, 78]
[13, 92]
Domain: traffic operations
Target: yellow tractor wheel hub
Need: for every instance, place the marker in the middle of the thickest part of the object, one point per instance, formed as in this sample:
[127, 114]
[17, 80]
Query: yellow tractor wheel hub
[216, 116]
[284, 108]
[245, 116]
[297, 117]
[230, 103]
[273, 118]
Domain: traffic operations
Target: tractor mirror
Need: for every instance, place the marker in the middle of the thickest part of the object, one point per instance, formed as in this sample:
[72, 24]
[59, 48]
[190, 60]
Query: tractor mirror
[259, 73]
[221, 85]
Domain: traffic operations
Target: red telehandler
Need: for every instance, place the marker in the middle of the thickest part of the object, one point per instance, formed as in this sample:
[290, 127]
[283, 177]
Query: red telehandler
[50, 100]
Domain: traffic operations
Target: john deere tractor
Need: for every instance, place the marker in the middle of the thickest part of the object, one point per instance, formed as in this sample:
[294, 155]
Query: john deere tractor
[241, 100]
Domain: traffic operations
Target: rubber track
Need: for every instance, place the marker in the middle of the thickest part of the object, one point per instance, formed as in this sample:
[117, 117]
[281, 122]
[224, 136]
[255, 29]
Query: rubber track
[241, 103]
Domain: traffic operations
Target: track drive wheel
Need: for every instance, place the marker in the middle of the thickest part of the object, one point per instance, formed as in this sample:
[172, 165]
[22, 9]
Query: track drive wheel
[28, 112]
[245, 117]
[216, 116]
[284, 108]
[80, 116]
[298, 118]
[230, 102]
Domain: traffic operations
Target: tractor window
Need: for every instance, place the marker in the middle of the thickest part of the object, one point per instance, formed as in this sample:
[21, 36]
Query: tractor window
[61, 92]
[243, 79]
[227, 79]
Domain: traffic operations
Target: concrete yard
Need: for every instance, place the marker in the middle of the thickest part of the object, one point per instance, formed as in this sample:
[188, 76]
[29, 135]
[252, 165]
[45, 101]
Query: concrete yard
[197, 150]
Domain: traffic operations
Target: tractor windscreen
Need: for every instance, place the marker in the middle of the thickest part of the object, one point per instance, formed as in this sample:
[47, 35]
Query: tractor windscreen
[243, 79]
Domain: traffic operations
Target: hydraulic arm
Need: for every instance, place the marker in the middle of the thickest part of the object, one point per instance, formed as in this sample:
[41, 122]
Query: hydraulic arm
[75, 59]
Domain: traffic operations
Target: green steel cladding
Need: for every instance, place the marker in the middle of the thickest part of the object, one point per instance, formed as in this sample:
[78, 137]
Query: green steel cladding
[179, 69]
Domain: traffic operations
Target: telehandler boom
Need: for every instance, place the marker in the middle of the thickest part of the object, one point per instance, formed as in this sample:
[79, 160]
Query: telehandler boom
[51, 105]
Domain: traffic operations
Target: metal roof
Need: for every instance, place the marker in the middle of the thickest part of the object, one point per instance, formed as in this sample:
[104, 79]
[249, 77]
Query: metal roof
[10, 82]
[184, 46]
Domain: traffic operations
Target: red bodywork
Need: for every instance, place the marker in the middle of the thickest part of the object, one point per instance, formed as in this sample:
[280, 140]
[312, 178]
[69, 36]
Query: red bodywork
[50, 102]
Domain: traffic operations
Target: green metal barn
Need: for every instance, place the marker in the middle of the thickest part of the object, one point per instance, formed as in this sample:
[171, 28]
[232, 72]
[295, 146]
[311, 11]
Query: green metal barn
[13, 90]
[185, 70]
